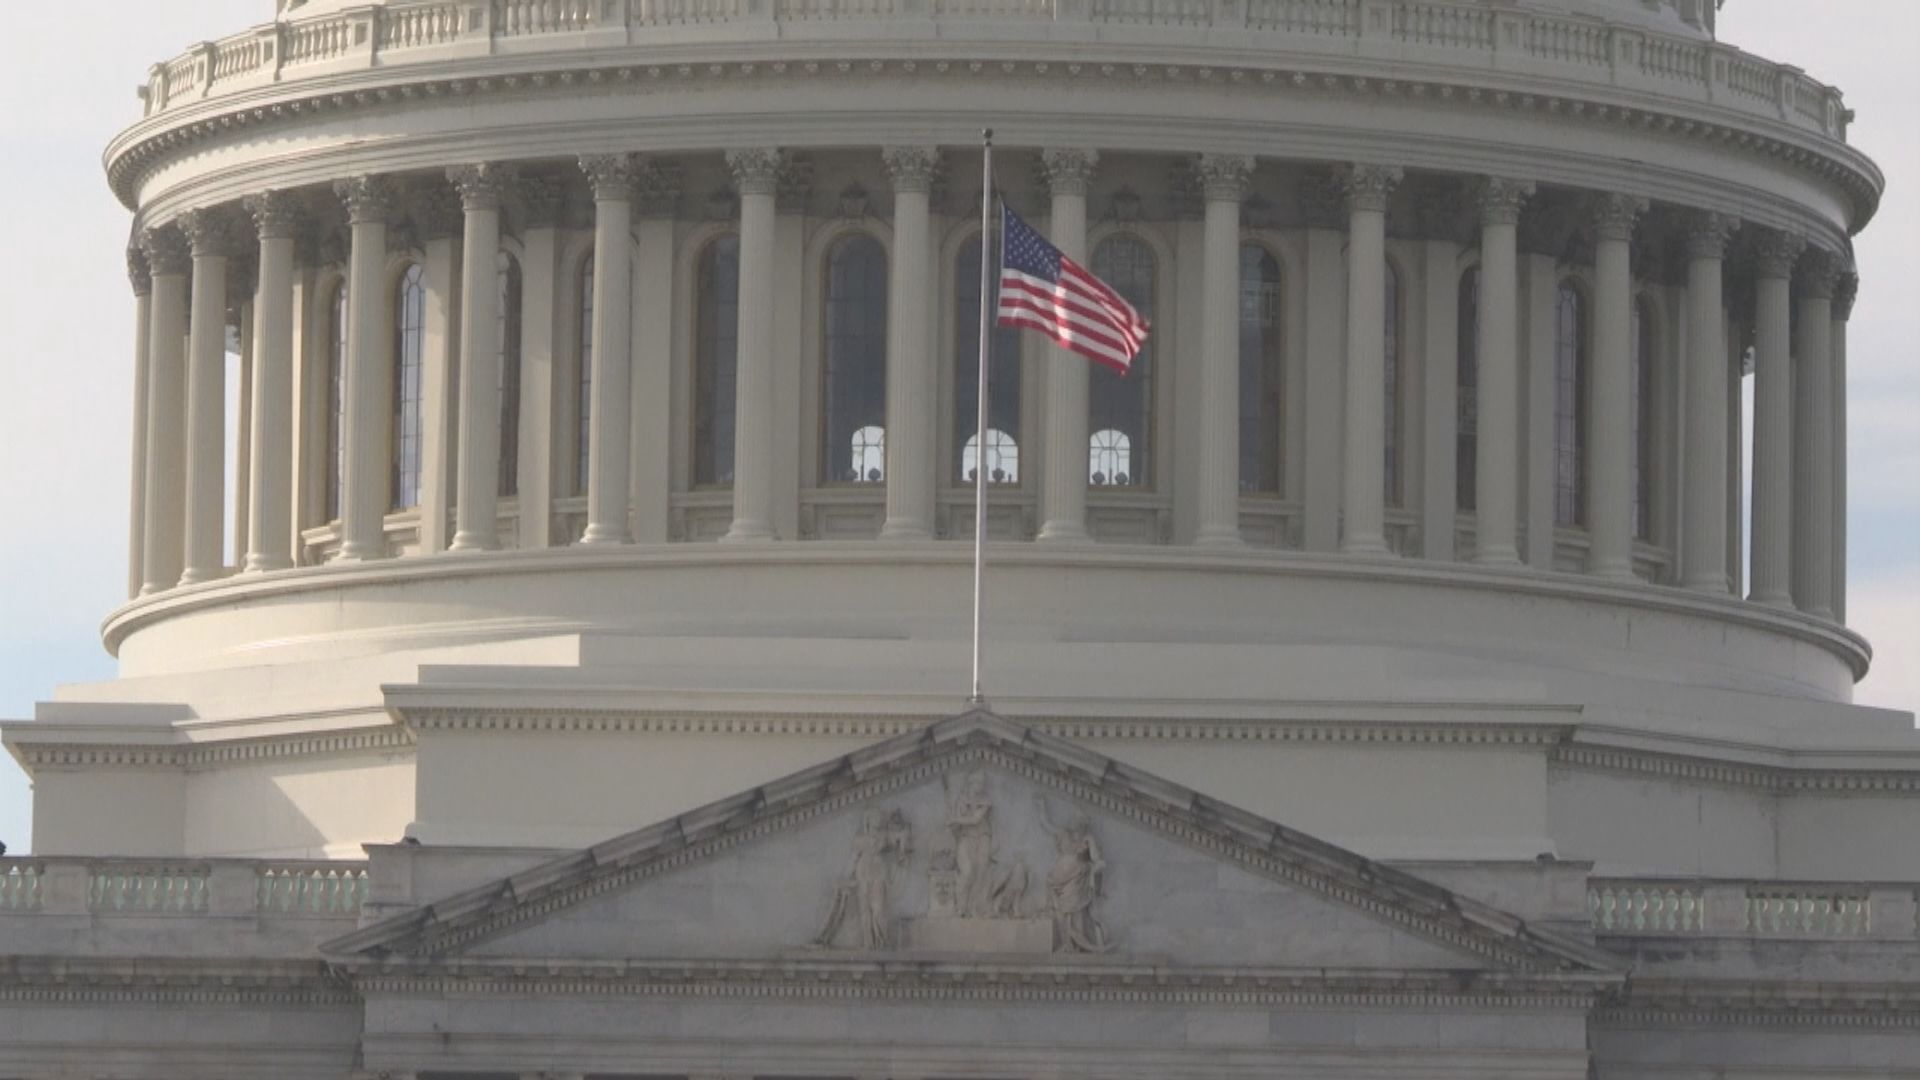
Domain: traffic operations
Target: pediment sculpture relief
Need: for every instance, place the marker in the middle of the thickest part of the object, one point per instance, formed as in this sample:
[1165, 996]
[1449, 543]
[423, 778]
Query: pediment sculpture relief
[978, 896]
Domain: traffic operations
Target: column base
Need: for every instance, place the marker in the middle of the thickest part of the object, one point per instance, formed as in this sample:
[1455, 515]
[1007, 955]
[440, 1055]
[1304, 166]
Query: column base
[604, 536]
[468, 542]
[1613, 572]
[1219, 537]
[1500, 558]
[1772, 599]
[746, 531]
[1365, 545]
[1715, 586]
[262, 564]
[906, 530]
[1062, 532]
[201, 577]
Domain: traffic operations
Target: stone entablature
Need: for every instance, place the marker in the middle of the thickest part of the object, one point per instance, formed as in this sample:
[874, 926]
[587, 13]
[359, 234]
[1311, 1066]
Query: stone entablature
[1565, 67]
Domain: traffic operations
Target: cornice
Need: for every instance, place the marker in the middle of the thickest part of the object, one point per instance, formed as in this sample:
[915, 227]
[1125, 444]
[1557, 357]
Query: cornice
[1048, 983]
[74, 980]
[137, 152]
[34, 756]
[1703, 770]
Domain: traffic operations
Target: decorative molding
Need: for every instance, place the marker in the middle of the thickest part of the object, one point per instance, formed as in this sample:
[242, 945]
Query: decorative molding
[1499, 200]
[208, 233]
[1369, 188]
[542, 201]
[1775, 779]
[657, 187]
[1224, 177]
[795, 192]
[1323, 202]
[368, 199]
[1068, 171]
[482, 186]
[440, 214]
[610, 176]
[1819, 273]
[1775, 252]
[139, 273]
[276, 214]
[1708, 233]
[168, 254]
[911, 168]
[1844, 294]
[1614, 215]
[756, 170]
[242, 751]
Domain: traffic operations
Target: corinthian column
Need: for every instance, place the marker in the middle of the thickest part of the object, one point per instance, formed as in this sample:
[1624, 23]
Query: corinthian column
[142, 280]
[1843, 299]
[1813, 436]
[756, 172]
[1773, 419]
[476, 511]
[610, 414]
[169, 259]
[1496, 478]
[1063, 494]
[1610, 405]
[1703, 533]
[367, 435]
[270, 498]
[1224, 179]
[206, 398]
[911, 391]
[1368, 188]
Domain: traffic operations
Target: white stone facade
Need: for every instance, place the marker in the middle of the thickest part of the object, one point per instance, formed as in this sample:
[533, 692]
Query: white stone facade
[1377, 699]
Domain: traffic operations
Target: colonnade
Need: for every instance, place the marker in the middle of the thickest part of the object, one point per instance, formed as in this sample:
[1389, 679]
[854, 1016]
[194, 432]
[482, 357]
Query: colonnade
[1801, 299]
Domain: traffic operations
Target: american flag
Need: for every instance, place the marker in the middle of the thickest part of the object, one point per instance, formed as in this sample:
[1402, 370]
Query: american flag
[1043, 290]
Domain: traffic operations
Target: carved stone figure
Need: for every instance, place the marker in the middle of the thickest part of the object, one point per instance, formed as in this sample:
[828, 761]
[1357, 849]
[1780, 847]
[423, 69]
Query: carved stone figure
[980, 888]
[885, 841]
[1073, 884]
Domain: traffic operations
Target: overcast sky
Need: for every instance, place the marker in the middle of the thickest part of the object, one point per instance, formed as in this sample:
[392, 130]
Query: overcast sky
[67, 317]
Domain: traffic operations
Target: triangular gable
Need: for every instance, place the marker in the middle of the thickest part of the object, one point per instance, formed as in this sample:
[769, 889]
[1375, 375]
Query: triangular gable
[848, 798]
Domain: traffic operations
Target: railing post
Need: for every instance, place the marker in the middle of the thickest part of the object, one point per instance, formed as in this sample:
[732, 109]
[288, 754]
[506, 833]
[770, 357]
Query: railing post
[233, 889]
[1892, 914]
[1719, 71]
[64, 888]
[203, 57]
[1723, 910]
[273, 40]
[1376, 20]
[1786, 84]
[1230, 13]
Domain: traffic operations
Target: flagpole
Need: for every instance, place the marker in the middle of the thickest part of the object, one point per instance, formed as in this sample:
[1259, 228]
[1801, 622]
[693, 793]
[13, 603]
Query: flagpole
[980, 434]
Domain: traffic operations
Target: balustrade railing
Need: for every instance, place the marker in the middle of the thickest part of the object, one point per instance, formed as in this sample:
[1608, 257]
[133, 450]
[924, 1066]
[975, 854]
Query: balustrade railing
[1746, 909]
[1578, 51]
[137, 887]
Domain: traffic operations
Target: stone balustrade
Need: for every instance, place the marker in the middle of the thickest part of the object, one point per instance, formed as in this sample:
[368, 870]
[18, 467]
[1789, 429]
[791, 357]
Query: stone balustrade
[1462, 34]
[1786, 910]
[116, 887]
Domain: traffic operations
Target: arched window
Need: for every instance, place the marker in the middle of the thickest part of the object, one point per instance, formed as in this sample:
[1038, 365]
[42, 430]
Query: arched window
[583, 381]
[853, 395]
[716, 330]
[1260, 373]
[1570, 407]
[1642, 443]
[1003, 374]
[509, 285]
[335, 462]
[867, 454]
[409, 337]
[1466, 431]
[1109, 459]
[1003, 457]
[1392, 376]
[1122, 405]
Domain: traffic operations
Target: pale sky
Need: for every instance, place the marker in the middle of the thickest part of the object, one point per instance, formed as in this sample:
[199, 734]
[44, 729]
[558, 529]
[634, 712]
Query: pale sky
[65, 395]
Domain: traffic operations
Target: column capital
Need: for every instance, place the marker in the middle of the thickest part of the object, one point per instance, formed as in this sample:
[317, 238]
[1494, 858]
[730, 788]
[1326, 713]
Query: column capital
[1614, 215]
[657, 188]
[139, 273]
[207, 233]
[1068, 171]
[482, 186]
[1499, 199]
[543, 199]
[610, 176]
[1708, 232]
[1844, 295]
[757, 170]
[1224, 177]
[1368, 187]
[368, 199]
[1775, 252]
[276, 214]
[167, 251]
[1820, 271]
[911, 168]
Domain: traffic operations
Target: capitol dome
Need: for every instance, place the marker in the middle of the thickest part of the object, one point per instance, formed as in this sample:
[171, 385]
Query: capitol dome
[1412, 558]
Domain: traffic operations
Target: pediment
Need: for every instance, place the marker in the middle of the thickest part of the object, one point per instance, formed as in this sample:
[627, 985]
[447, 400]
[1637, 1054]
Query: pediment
[979, 840]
